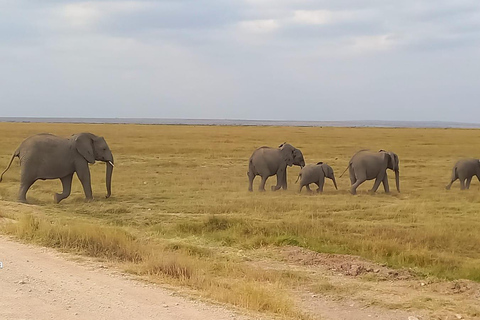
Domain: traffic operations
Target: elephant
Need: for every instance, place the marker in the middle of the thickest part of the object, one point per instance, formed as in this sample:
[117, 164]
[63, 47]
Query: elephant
[266, 162]
[46, 156]
[368, 165]
[463, 170]
[316, 173]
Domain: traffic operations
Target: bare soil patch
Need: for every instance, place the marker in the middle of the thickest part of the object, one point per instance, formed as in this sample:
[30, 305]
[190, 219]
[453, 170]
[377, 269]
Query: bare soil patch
[348, 265]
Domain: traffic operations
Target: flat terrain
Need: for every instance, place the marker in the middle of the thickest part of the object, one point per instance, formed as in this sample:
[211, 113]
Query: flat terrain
[181, 215]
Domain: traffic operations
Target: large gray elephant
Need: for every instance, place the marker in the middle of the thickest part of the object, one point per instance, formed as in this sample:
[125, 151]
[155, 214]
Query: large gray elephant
[463, 170]
[46, 156]
[266, 162]
[368, 165]
[316, 173]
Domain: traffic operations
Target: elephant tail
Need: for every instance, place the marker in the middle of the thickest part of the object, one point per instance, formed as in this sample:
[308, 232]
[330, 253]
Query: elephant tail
[15, 154]
[454, 177]
[250, 167]
[299, 176]
[345, 170]
[454, 173]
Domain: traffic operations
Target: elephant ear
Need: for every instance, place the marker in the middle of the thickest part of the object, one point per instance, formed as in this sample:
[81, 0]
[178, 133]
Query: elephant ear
[396, 161]
[392, 162]
[288, 153]
[289, 158]
[84, 146]
[325, 173]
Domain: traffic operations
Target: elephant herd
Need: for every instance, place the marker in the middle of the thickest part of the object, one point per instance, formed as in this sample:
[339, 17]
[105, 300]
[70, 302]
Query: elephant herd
[46, 156]
[364, 165]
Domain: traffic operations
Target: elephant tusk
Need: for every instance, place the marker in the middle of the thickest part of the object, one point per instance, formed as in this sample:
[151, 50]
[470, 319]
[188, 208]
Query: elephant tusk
[111, 163]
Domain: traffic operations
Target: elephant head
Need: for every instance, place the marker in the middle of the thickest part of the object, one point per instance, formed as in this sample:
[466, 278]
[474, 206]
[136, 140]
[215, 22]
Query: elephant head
[298, 158]
[328, 172]
[292, 155]
[92, 148]
[393, 164]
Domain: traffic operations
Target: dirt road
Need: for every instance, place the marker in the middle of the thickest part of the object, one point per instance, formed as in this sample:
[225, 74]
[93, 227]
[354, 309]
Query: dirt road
[39, 283]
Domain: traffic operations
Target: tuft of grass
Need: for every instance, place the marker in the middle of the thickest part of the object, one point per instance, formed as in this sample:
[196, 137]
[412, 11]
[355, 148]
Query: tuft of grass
[189, 249]
[263, 299]
[169, 265]
[97, 241]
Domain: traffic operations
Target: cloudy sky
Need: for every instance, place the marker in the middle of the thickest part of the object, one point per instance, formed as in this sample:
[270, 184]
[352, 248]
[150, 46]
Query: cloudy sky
[242, 59]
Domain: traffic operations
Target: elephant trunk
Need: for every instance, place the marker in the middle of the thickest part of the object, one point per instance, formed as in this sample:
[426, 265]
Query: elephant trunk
[397, 179]
[108, 179]
[334, 182]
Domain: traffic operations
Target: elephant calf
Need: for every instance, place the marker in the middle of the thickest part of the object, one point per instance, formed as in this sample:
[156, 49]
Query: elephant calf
[46, 156]
[316, 173]
[464, 170]
[266, 162]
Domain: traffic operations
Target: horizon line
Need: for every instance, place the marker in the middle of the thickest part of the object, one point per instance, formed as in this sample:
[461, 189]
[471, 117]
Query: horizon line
[246, 122]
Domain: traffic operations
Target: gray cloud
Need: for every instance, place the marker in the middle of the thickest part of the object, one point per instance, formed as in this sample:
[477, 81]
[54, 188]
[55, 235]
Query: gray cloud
[251, 59]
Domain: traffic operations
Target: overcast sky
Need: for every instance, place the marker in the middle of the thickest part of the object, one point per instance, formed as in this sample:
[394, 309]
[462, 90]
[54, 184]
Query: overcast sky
[241, 59]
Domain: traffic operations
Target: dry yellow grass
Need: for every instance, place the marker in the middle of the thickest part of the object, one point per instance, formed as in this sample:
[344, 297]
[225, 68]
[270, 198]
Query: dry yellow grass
[180, 205]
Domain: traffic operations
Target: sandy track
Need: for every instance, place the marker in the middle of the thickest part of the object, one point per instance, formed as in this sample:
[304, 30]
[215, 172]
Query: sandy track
[39, 283]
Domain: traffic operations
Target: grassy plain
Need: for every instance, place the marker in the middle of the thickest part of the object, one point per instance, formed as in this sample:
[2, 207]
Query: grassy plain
[181, 213]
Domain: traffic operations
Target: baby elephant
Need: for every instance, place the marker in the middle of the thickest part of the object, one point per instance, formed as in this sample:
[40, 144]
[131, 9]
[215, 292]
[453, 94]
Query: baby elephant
[464, 170]
[316, 173]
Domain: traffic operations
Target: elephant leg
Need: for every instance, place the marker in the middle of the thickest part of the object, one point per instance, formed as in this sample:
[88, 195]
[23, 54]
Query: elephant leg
[454, 177]
[24, 186]
[462, 183]
[360, 178]
[308, 188]
[353, 189]
[262, 183]
[251, 177]
[301, 187]
[376, 185]
[67, 188]
[284, 186]
[385, 184]
[281, 180]
[378, 180]
[84, 176]
[351, 172]
[450, 184]
[320, 184]
[275, 188]
[467, 185]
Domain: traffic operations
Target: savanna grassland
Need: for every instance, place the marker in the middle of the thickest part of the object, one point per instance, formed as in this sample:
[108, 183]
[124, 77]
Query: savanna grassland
[180, 212]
